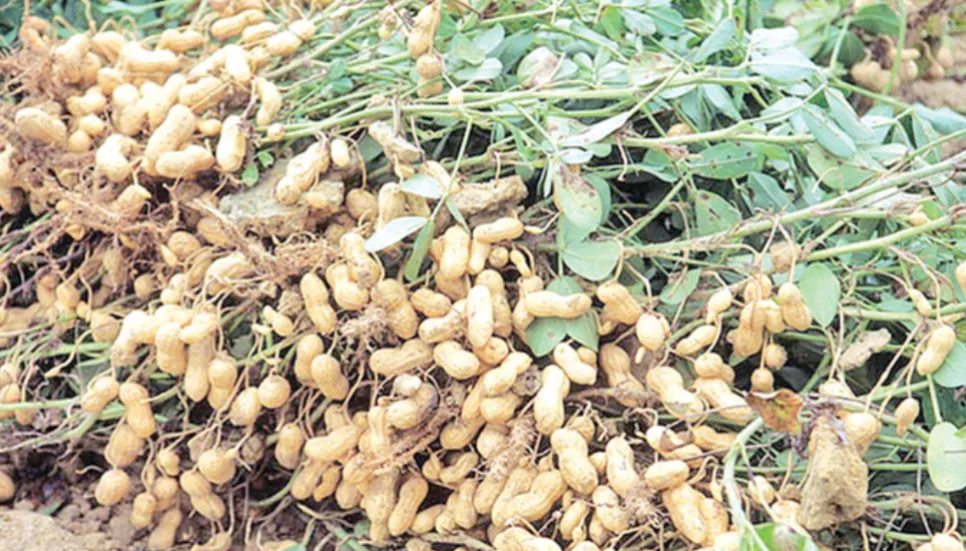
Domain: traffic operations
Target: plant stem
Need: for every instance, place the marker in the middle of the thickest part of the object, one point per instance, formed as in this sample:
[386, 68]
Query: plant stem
[908, 538]
[900, 45]
[820, 210]
[882, 242]
[735, 503]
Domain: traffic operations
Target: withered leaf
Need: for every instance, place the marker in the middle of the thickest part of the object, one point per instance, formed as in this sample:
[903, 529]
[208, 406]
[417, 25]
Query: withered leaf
[779, 410]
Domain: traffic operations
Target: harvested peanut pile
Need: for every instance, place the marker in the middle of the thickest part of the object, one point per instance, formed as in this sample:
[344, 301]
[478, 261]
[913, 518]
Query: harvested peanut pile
[466, 275]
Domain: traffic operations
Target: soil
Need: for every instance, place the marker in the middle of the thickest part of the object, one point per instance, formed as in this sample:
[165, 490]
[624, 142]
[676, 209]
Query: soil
[28, 531]
[77, 525]
[949, 92]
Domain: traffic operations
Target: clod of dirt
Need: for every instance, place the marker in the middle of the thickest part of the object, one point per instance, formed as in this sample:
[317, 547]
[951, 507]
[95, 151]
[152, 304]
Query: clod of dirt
[496, 196]
[256, 209]
[28, 530]
[836, 481]
[859, 352]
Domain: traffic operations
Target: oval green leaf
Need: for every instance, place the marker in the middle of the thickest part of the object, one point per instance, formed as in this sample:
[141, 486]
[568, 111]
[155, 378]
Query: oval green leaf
[952, 374]
[593, 260]
[488, 70]
[788, 65]
[725, 161]
[679, 289]
[821, 292]
[945, 454]
[842, 113]
[714, 213]
[544, 334]
[827, 133]
[718, 97]
[877, 18]
[584, 330]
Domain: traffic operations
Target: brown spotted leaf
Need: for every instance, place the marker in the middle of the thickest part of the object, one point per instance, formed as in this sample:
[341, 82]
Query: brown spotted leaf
[779, 410]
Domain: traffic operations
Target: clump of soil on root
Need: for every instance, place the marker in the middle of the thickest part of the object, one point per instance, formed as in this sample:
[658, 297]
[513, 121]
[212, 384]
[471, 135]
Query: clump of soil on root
[837, 480]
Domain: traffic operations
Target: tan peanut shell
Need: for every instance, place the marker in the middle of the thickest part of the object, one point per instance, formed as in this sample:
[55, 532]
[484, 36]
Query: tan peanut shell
[575, 467]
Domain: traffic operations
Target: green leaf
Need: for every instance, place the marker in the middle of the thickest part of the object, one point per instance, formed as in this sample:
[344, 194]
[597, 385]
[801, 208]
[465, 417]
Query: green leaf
[725, 161]
[600, 150]
[490, 39]
[887, 154]
[769, 40]
[603, 192]
[584, 328]
[788, 65]
[544, 334]
[667, 20]
[924, 134]
[840, 174]
[593, 260]
[117, 7]
[679, 289]
[250, 175]
[395, 231]
[719, 98]
[842, 113]
[422, 185]
[717, 40]
[462, 49]
[337, 68]
[514, 47]
[953, 410]
[821, 291]
[612, 22]
[766, 192]
[785, 540]
[488, 70]
[714, 213]
[457, 215]
[420, 248]
[782, 109]
[852, 49]
[695, 108]
[639, 23]
[577, 199]
[265, 158]
[933, 211]
[658, 164]
[945, 454]
[943, 119]
[568, 233]
[828, 135]
[877, 18]
[952, 374]
[564, 286]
